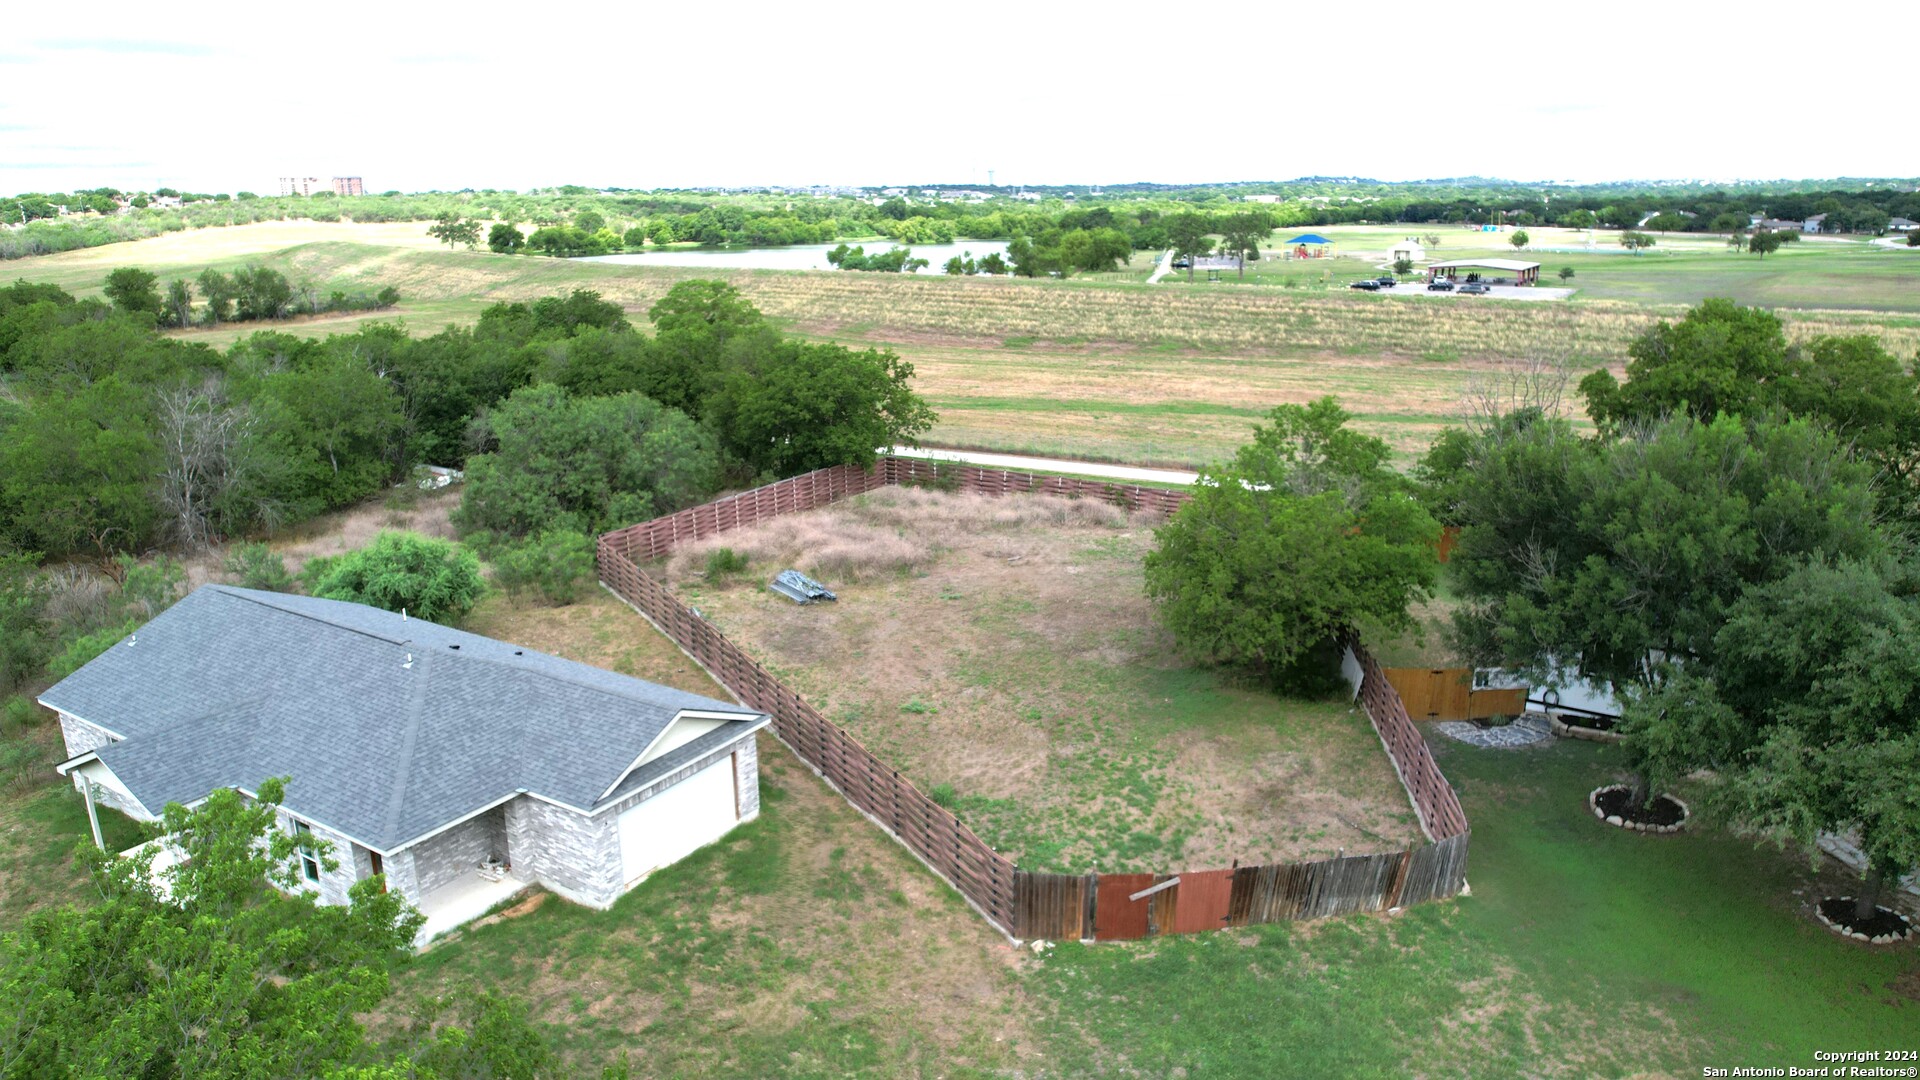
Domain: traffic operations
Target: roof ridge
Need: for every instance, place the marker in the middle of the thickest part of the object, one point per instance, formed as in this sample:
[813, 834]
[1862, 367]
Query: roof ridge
[409, 738]
[585, 684]
[239, 594]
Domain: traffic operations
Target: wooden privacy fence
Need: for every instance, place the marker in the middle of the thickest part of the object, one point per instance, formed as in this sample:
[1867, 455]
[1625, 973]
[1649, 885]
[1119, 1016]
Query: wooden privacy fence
[1024, 905]
[1449, 694]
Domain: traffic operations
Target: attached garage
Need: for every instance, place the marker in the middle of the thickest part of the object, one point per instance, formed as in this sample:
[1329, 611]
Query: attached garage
[689, 815]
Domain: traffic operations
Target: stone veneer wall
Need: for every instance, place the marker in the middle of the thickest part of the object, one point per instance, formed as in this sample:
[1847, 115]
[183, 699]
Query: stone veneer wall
[443, 857]
[333, 884]
[579, 857]
[574, 855]
[80, 737]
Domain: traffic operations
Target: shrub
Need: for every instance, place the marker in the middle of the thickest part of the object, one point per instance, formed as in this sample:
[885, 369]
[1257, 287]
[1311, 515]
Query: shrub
[429, 579]
[944, 795]
[724, 561]
[255, 566]
[555, 564]
[81, 650]
[20, 713]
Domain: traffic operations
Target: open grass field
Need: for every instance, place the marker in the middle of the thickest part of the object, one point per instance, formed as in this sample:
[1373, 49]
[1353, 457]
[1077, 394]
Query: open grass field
[808, 944]
[1106, 367]
[1004, 651]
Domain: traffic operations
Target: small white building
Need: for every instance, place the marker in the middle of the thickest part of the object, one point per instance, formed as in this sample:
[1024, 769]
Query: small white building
[1408, 249]
[1901, 225]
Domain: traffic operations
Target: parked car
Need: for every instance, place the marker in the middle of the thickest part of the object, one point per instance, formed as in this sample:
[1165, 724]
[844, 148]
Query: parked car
[1386, 281]
[1183, 264]
[1475, 288]
[1440, 285]
[1370, 285]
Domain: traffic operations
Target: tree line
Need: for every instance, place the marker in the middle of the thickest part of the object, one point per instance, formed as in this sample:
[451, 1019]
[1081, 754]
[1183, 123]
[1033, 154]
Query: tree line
[120, 439]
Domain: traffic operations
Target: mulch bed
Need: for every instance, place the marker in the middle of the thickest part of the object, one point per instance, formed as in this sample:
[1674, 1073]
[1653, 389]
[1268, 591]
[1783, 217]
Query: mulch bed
[1882, 927]
[1662, 813]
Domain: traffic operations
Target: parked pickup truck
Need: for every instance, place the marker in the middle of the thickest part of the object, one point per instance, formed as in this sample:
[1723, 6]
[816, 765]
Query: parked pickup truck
[1475, 288]
[1386, 282]
[1370, 285]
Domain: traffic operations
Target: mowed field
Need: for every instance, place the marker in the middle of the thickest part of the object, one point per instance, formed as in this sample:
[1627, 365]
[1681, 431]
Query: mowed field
[1106, 367]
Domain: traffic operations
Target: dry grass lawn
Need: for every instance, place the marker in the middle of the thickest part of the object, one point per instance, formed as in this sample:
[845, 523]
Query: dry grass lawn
[1003, 649]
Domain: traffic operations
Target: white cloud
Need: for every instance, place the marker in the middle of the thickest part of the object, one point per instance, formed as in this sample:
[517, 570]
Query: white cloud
[682, 95]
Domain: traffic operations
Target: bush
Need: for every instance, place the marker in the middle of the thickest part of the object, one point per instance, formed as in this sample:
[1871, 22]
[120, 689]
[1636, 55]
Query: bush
[944, 795]
[724, 561]
[255, 566]
[81, 650]
[556, 565]
[428, 579]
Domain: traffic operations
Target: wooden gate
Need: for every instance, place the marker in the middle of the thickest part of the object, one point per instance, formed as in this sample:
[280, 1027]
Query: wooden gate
[1199, 902]
[1116, 917]
[1448, 694]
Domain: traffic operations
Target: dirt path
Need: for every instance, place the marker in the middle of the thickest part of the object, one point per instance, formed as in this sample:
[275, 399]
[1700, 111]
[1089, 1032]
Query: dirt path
[1166, 264]
[1057, 465]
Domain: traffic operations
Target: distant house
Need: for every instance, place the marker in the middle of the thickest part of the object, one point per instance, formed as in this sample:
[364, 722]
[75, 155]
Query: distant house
[1814, 224]
[1408, 249]
[1779, 225]
[461, 768]
[1901, 225]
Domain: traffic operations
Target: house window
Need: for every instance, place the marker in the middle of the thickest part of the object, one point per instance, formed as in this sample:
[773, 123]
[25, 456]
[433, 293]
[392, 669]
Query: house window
[309, 855]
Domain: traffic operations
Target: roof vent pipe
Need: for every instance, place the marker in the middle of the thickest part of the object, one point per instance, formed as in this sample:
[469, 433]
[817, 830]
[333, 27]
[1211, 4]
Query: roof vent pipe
[403, 614]
[132, 640]
[409, 664]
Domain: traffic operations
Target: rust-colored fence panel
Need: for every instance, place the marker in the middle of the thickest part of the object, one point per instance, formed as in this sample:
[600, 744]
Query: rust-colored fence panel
[1117, 917]
[1026, 905]
[1200, 901]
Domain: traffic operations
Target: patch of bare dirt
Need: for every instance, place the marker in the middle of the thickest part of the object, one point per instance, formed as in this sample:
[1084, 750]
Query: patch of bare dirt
[428, 513]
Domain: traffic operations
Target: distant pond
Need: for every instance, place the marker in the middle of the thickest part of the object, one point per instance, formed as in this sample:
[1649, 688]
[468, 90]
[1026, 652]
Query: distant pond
[798, 256]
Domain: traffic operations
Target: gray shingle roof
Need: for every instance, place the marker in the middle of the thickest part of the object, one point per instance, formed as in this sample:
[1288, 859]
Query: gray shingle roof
[231, 686]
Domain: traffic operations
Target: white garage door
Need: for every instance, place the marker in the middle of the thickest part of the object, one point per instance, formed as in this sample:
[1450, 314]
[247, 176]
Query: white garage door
[688, 815]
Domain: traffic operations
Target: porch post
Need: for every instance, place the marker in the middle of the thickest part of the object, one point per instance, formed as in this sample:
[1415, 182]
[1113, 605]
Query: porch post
[93, 814]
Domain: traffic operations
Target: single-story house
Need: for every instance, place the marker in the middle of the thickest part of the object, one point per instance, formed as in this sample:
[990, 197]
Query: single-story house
[460, 767]
[1408, 249]
[1814, 224]
[1901, 225]
[1779, 225]
[1524, 273]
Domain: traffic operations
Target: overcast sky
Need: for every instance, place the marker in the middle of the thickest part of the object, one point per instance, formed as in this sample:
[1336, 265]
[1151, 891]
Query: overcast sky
[227, 98]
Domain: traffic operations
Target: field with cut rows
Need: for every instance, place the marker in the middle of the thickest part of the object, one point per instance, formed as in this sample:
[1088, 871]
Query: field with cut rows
[1101, 367]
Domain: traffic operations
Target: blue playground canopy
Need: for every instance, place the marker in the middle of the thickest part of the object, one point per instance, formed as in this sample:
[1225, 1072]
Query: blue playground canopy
[1310, 238]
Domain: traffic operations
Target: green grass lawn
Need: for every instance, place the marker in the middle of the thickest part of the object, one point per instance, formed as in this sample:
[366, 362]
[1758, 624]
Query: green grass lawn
[40, 827]
[1583, 950]
[808, 944]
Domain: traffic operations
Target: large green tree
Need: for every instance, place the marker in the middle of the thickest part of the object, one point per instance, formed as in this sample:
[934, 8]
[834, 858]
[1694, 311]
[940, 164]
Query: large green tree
[1306, 535]
[220, 967]
[1719, 357]
[1609, 556]
[134, 291]
[586, 464]
[205, 969]
[1815, 688]
[811, 405]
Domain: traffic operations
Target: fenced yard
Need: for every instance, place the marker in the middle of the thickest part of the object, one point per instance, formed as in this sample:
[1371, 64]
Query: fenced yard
[1025, 904]
[1002, 654]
